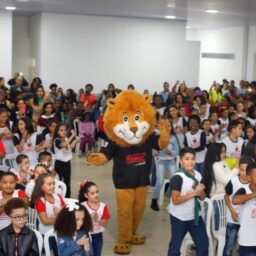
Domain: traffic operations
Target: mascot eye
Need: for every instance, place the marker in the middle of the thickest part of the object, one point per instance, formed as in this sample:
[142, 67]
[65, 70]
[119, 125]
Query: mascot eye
[125, 118]
[136, 118]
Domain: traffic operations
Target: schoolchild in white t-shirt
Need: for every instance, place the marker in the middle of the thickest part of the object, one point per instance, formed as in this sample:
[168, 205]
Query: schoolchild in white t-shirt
[184, 210]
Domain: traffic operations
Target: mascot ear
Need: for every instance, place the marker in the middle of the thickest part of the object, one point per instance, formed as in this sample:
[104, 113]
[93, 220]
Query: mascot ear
[147, 98]
[110, 103]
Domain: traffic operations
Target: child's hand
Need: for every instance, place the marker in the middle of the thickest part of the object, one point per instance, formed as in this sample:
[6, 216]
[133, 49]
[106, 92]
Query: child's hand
[86, 245]
[56, 211]
[200, 187]
[95, 216]
[234, 215]
[82, 240]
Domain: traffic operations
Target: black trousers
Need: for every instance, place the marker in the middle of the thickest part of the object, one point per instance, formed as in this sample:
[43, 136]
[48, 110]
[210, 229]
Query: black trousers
[64, 171]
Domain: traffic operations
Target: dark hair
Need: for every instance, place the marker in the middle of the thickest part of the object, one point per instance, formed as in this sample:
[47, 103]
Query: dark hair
[194, 117]
[212, 155]
[186, 150]
[245, 160]
[20, 158]
[43, 154]
[232, 124]
[251, 111]
[251, 166]
[84, 190]
[53, 86]
[37, 192]
[249, 127]
[57, 129]
[14, 203]
[8, 174]
[89, 85]
[65, 223]
[178, 94]
[45, 106]
[4, 110]
[250, 149]
[28, 125]
[84, 116]
[35, 95]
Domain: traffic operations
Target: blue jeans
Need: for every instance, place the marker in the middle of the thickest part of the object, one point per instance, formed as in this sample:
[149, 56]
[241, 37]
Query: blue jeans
[163, 165]
[179, 231]
[97, 243]
[231, 237]
[247, 250]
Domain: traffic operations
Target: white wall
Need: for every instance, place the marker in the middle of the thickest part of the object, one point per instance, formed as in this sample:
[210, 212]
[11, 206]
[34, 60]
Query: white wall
[76, 50]
[6, 44]
[251, 64]
[227, 40]
[21, 45]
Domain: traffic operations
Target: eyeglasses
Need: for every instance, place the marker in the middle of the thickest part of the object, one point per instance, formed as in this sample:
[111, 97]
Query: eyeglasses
[19, 218]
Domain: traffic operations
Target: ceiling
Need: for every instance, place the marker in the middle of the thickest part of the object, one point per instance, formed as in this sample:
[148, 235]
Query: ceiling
[231, 12]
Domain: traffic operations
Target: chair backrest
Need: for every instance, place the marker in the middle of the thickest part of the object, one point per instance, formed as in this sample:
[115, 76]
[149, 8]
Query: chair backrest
[32, 218]
[47, 248]
[219, 220]
[39, 241]
[10, 160]
[76, 124]
[62, 186]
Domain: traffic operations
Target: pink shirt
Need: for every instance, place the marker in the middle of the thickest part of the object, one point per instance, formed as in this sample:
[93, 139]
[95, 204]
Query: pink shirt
[87, 128]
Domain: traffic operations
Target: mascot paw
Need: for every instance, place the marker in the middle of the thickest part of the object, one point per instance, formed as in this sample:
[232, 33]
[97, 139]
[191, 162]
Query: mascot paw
[96, 159]
[164, 125]
[138, 239]
[122, 248]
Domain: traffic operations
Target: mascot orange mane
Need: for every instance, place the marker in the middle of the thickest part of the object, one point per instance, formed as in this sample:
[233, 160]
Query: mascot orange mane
[129, 122]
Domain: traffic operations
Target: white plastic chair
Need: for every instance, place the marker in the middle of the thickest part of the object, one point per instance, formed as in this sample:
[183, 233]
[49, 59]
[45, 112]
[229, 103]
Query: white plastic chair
[32, 218]
[10, 160]
[62, 186]
[76, 129]
[39, 241]
[219, 232]
[49, 234]
[206, 213]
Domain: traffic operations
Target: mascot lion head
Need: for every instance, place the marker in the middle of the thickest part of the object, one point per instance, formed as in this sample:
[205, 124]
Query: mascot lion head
[129, 118]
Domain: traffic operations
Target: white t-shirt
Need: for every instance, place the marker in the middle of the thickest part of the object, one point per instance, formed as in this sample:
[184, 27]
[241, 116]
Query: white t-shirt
[62, 154]
[224, 131]
[234, 148]
[231, 188]
[185, 185]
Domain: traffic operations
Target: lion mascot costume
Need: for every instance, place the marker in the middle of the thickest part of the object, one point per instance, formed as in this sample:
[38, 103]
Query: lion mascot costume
[129, 123]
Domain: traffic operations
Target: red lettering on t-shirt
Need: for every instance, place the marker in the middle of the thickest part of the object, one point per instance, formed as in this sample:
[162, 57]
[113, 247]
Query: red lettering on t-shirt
[135, 158]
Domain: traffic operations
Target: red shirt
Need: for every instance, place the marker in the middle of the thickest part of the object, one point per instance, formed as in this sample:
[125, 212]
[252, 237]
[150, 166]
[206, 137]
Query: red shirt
[88, 100]
[2, 149]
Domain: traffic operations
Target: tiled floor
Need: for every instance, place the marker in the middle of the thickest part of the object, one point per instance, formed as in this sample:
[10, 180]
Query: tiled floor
[155, 225]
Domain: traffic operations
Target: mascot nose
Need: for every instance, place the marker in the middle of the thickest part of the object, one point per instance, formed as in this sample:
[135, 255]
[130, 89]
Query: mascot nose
[134, 129]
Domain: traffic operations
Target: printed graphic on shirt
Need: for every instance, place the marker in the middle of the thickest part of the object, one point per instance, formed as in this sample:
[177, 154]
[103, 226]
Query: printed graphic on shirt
[136, 159]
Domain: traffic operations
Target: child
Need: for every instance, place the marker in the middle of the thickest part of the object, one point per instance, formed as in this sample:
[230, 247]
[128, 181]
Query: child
[5, 131]
[166, 161]
[63, 154]
[247, 238]
[240, 109]
[89, 197]
[203, 112]
[184, 206]
[215, 126]
[223, 121]
[46, 202]
[23, 174]
[249, 135]
[233, 141]
[206, 126]
[196, 139]
[234, 211]
[8, 183]
[45, 158]
[72, 226]
[86, 132]
[49, 133]
[17, 238]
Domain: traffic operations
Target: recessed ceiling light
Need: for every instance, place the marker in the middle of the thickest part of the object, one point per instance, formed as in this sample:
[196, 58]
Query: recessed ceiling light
[171, 5]
[10, 8]
[212, 11]
[170, 17]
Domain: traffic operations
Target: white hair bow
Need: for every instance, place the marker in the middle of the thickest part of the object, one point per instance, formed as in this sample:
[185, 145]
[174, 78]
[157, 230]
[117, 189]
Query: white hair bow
[72, 204]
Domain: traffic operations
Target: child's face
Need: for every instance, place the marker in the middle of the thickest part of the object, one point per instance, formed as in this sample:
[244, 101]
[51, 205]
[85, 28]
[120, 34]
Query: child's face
[242, 171]
[203, 109]
[18, 218]
[62, 131]
[48, 186]
[214, 117]
[52, 127]
[238, 130]
[48, 109]
[188, 161]
[3, 117]
[224, 113]
[207, 126]
[182, 112]
[39, 170]
[173, 112]
[21, 126]
[8, 184]
[93, 194]
[240, 107]
[24, 165]
[223, 153]
[79, 219]
[252, 177]
[250, 133]
[193, 125]
[47, 160]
